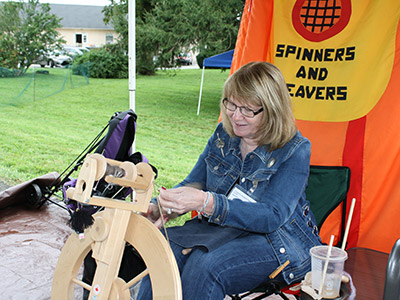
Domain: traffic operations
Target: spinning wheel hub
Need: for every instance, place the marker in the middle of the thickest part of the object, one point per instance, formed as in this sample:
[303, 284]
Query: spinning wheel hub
[100, 229]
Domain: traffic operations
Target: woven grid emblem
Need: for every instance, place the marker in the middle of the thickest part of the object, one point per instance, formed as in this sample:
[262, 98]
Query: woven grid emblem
[320, 15]
[317, 20]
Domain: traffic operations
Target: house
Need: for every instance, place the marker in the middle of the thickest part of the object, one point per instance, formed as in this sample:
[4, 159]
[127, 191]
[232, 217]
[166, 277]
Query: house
[83, 25]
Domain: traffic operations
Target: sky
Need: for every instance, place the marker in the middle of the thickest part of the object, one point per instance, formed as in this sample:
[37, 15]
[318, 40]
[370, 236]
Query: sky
[76, 2]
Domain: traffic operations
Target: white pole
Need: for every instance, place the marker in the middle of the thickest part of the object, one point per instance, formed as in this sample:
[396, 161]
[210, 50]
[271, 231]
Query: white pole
[201, 90]
[132, 56]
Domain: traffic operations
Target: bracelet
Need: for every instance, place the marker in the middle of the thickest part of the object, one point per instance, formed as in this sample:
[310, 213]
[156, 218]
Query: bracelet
[206, 199]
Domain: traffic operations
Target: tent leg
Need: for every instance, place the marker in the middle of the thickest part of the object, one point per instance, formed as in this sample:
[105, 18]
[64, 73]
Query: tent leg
[201, 89]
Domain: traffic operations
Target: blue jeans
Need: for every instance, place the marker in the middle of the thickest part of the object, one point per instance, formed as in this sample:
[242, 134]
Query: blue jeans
[238, 266]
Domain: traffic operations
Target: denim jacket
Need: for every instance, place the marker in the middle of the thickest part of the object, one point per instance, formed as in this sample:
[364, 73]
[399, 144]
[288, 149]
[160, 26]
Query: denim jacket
[275, 205]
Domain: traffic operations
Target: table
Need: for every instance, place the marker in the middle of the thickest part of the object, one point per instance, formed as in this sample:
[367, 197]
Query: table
[368, 270]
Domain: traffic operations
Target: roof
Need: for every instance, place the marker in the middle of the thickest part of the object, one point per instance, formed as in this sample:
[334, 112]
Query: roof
[80, 16]
[223, 60]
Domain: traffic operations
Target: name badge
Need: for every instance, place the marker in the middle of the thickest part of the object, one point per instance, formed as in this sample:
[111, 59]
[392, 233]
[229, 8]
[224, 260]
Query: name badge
[236, 193]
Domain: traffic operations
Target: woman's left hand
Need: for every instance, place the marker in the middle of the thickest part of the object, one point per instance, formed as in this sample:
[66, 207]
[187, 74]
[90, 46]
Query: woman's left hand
[182, 199]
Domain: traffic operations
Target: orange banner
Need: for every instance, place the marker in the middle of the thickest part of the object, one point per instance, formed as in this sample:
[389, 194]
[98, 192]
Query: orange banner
[341, 60]
[329, 61]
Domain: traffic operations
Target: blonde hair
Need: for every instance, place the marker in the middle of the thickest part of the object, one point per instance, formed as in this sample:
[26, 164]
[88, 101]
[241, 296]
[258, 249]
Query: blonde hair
[262, 84]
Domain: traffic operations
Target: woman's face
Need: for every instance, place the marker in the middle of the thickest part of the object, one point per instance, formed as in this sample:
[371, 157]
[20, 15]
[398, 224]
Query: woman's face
[244, 127]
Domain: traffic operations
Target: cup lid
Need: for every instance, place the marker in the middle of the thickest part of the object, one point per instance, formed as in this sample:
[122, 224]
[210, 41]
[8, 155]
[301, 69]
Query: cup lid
[321, 252]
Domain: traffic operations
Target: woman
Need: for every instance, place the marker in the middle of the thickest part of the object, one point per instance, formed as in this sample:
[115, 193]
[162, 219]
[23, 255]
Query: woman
[251, 180]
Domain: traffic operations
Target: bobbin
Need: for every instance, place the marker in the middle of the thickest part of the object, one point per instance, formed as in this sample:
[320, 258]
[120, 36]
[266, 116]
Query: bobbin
[139, 177]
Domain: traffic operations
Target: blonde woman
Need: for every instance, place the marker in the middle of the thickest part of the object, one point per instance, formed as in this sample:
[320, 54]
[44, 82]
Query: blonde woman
[252, 176]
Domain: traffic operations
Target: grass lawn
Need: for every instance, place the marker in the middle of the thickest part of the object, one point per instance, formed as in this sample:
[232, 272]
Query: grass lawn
[45, 135]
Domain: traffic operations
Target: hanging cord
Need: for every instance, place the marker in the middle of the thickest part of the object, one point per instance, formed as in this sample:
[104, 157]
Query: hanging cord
[161, 215]
[59, 205]
[117, 173]
[79, 159]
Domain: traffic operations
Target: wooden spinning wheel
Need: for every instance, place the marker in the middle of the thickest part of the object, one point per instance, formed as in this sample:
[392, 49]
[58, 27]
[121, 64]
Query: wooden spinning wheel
[117, 225]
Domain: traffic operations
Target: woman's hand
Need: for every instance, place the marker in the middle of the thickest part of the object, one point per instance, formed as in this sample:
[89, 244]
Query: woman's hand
[154, 216]
[183, 199]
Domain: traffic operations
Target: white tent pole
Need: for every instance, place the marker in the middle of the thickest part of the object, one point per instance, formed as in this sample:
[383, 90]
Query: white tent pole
[132, 56]
[201, 90]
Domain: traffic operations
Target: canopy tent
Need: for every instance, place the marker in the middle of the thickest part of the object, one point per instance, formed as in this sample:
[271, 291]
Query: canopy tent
[222, 60]
[342, 66]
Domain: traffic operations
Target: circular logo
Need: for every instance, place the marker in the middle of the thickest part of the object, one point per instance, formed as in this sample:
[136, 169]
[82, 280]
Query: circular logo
[318, 20]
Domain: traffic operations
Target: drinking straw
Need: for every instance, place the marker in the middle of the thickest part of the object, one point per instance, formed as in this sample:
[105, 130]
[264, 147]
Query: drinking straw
[346, 232]
[326, 264]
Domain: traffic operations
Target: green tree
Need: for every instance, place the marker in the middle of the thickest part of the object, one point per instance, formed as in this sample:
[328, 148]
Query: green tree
[217, 23]
[209, 26]
[117, 14]
[166, 28]
[27, 30]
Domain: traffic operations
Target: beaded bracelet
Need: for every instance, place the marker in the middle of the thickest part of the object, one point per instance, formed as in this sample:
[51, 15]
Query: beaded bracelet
[206, 199]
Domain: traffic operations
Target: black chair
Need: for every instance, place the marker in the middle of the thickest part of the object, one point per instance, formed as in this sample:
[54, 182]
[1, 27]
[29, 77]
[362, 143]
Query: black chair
[327, 189]
[392, 280]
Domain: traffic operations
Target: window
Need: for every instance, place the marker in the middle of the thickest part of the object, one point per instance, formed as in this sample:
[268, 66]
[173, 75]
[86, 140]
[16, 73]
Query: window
[109, 38]
[78, 38]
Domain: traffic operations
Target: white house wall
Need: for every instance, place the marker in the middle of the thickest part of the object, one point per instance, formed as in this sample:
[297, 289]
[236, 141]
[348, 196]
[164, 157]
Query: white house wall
[94, 37]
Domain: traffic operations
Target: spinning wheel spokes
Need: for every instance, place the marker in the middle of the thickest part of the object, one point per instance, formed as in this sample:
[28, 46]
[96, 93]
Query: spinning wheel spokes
[150, 244]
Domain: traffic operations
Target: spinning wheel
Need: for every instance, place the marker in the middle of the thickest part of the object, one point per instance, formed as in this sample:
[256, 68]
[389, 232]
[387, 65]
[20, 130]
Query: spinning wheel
[117, 225]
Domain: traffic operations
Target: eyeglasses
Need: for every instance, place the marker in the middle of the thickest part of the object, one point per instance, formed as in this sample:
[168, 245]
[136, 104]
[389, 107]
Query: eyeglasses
[244, 110]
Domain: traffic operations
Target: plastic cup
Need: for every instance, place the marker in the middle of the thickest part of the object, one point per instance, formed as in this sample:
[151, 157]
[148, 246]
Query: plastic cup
[333, 276]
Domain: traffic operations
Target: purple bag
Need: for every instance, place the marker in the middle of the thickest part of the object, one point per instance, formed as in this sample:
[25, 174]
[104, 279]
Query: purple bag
[116, 145]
